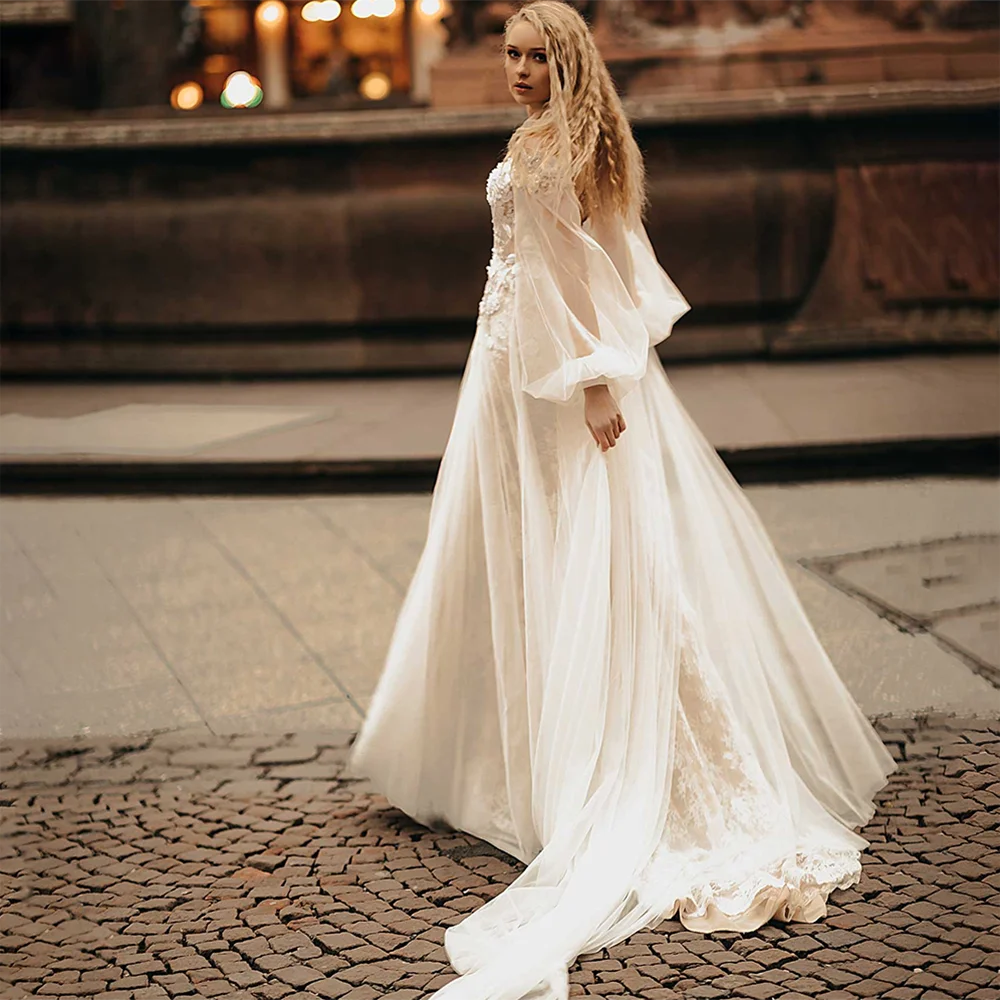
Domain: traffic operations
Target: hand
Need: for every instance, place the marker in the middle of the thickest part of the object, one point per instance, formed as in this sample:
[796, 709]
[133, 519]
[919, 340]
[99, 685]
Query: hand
[604, 419]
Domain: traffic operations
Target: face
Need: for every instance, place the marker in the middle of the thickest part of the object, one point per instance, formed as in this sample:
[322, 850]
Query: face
[527, 67]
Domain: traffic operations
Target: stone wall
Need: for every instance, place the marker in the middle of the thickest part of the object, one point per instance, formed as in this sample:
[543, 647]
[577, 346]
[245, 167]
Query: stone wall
[794, 225]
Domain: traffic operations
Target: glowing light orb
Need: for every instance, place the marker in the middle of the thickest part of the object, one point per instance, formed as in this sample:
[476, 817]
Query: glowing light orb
[186, 96]
[383, 8]
[241, 91]
[271, 12]
[321, 10]
[431, 8]
[362, 8]
[375, 86]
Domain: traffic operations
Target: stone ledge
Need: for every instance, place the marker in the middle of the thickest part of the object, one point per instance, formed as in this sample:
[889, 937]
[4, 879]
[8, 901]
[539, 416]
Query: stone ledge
[36, 12]
[355, 127]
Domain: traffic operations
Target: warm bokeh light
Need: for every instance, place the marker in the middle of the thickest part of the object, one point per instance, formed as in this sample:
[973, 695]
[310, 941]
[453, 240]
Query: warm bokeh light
[375, 86]
[373, 8]
[431, 8]
[186, 96]
[271, 12]
[321, 10]
[241, 91]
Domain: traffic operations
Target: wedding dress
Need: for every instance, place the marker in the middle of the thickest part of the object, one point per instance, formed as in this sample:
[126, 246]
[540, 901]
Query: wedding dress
[601, 666]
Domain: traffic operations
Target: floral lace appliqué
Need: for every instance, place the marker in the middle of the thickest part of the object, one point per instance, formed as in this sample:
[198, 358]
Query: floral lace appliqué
[497, 301]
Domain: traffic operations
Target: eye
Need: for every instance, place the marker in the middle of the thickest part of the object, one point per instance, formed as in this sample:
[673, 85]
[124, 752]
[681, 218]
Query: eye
[540, 57]
[512, 53]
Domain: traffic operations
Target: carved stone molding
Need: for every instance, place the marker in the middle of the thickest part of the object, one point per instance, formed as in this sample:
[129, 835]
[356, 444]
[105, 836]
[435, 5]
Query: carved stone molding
[365, 126]
[36, 11]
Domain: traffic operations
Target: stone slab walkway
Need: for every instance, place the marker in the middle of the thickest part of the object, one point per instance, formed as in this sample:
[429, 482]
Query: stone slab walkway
[275, 615]
[182, 864]
[739, 406]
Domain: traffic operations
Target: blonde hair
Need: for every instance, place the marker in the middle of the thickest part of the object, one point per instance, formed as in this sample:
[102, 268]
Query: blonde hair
[583, 131]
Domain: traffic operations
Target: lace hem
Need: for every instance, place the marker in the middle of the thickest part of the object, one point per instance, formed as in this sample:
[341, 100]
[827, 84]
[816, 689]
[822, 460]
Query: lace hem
[744, 893]
[794, 887]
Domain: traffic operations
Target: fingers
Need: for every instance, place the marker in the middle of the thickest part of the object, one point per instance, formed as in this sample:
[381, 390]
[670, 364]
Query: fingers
[614, 430]
[599, 437]
[606, 434]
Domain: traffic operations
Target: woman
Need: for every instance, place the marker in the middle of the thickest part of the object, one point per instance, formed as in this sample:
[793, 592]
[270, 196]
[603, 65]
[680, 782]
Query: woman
[601, 666]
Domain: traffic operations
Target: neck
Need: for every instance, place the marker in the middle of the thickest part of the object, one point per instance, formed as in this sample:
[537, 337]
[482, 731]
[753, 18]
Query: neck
[534, 110]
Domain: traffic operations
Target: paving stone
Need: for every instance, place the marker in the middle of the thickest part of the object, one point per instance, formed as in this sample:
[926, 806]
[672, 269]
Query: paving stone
[298, 975]
[330, 989]
[292, 887]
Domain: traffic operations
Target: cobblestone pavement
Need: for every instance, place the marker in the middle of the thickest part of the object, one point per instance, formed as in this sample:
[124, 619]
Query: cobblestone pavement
[183, 864]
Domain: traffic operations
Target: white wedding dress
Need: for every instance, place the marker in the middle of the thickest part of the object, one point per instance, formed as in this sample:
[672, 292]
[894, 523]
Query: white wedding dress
[601, 666]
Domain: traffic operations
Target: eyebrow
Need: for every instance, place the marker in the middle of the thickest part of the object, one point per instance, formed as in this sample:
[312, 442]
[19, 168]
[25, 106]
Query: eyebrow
[537, 48]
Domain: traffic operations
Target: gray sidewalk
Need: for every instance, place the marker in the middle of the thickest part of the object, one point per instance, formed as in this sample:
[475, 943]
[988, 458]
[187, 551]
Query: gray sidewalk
[274, 615]
[741, 407]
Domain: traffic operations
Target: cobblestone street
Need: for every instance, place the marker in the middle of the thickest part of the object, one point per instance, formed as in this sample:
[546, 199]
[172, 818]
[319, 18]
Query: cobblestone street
[188, 864]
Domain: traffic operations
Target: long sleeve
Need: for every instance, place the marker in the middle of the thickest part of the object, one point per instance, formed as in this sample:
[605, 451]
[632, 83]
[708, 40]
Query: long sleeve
[590, 300]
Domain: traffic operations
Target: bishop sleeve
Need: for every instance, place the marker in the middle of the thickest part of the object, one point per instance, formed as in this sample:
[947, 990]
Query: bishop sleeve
[590, 300]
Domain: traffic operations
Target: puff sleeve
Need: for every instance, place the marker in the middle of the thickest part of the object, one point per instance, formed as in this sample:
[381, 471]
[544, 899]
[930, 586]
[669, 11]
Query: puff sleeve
[590, 300]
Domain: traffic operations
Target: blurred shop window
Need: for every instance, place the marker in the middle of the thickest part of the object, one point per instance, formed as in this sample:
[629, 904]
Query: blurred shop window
[335, 53]
[176, 56]
[358, 57]
[216, 41]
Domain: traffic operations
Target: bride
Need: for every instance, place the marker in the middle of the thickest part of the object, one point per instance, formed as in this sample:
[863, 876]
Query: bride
[601, 666]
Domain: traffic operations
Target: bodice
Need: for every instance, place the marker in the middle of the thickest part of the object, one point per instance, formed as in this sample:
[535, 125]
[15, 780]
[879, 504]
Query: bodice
[502, 268]
[500, 195]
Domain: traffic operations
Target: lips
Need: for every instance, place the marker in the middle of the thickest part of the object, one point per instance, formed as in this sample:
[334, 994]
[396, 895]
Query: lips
[521, 86]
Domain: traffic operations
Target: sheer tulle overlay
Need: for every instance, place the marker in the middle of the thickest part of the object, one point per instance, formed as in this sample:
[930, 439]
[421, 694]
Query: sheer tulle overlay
[601, 666]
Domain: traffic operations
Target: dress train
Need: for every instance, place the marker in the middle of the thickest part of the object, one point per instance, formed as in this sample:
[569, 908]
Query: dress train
[601, 666]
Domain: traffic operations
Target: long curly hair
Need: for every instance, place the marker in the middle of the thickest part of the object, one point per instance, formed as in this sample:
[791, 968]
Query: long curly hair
[583, 131]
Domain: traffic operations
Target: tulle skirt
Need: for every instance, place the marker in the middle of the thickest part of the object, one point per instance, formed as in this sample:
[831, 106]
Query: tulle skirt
[601, 667]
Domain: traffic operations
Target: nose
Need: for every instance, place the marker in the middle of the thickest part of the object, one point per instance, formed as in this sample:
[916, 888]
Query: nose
[522, 66]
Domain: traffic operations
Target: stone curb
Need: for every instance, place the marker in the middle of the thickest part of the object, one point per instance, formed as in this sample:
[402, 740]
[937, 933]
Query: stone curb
[958, 456]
